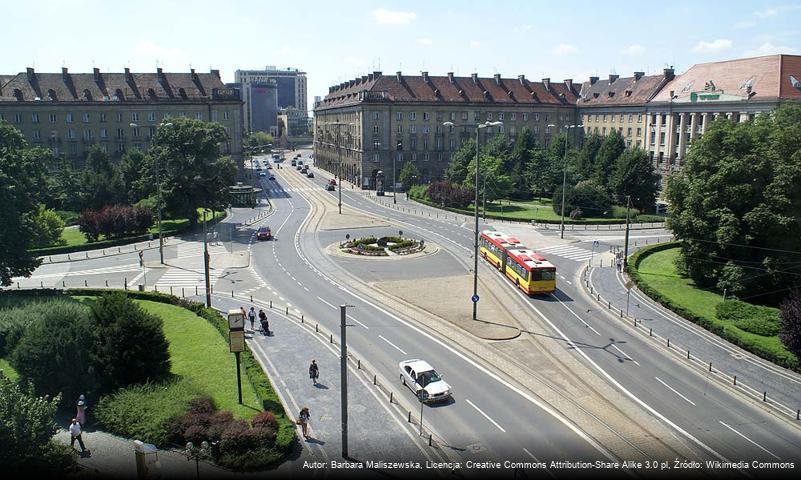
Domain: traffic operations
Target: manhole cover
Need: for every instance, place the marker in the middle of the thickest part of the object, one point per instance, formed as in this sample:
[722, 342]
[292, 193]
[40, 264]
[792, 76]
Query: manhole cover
[475, 448]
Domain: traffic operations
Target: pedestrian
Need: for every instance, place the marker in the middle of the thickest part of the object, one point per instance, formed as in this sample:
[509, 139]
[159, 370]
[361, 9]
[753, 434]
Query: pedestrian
[75, 434]
[252, 316]
[265, 325]
[80, 408]
[303, 421]
[244, 314]
[617, 264]
[314, 371]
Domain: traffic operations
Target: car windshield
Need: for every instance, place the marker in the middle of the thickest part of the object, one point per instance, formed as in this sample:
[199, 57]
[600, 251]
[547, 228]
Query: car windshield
[431, 376]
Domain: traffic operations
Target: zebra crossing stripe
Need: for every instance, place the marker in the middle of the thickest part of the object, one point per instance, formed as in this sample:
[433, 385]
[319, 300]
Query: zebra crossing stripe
[187, 278]
[569, 252]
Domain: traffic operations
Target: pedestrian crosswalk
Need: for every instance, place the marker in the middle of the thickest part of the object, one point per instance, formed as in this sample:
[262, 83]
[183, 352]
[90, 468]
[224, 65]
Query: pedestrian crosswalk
[567, 251]
[195, 249]
[187, 277]
[292, 189]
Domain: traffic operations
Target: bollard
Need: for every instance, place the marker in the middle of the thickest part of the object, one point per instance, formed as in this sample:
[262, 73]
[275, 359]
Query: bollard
[634, 322]
[156, 288]
[41, 284]
[63, 284]
[86, 283]
[104, 252]
[182, 292]
[373, 379]
[195, 290]
[301, 318]
[19, 286]
[68, 256]
[232, 294]
[126, 283]
[608, 304]
[764, 396]
[50, 259]
[106, 283]
[331, 339]
[390, 397]
[798, 414]
[621, 313]
[271, 304]
[87, 254]
[316, 327]
[429, 439]
[668, 343]
[688, 354]
[735, 380]
[118, 250]
[409, 419]
[287, 310]
[650, 332]
[710, 366]
[358, 364]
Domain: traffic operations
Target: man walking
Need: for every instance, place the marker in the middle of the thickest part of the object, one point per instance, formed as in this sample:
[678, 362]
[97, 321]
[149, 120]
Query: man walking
[75, 434]
[314, 371]
[252, 317]
[265, 325]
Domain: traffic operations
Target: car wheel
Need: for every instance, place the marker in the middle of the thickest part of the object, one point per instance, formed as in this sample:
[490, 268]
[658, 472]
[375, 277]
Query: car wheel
[403, 380]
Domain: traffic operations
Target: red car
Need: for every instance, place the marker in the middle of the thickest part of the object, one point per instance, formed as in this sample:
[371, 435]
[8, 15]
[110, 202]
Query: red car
[264, 233]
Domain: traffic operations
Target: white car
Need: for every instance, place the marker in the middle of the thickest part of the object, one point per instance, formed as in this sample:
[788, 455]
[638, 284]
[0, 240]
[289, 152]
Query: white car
[419, 375]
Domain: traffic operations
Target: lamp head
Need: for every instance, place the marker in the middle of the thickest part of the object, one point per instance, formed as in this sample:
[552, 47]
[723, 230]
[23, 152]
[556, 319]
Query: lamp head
[448, 124]
[551, 125]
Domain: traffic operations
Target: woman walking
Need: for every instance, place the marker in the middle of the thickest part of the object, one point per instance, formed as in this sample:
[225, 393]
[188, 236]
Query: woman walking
[303, 421]
[314, 371]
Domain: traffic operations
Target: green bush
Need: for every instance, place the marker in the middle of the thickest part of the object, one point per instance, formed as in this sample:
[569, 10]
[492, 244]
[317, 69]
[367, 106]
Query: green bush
[55, 352]
[130, 344]
[364, 240]
[419, 192]
[69, 217]
[146, 412]
[23, 312]
[751, 318]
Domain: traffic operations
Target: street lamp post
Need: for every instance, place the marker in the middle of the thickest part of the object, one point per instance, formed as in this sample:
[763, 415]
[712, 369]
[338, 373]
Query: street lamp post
[564, 177]
[158, 197]
[478, 128]
[339, 169]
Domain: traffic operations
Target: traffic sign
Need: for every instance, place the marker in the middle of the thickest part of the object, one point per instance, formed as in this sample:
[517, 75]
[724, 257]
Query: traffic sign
[595, 243]
[422, 395]
[629, 284]
[474, 298]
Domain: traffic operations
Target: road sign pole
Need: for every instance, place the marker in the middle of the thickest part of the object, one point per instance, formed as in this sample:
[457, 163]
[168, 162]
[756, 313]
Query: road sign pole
[421, 417]
[343, 372]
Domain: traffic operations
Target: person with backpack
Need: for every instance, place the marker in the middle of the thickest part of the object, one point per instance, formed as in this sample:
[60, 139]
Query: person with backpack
[265, 325]
[314, 371]
[303, 421]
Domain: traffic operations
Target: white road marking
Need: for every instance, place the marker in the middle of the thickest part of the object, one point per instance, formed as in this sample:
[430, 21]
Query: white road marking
[675, 391]
[392, 344]
[282, 298]
[740, 434]
[576, 315]
[485, 415]
[538, 461]
[625, 354]
[327, 303]
[306, 288]
[360, 323]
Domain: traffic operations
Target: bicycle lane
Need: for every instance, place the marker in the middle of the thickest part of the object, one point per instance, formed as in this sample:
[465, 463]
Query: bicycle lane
[375, 431]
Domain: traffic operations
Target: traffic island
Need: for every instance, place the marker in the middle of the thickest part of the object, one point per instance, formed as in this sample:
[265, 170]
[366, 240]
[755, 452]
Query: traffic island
[382, 248]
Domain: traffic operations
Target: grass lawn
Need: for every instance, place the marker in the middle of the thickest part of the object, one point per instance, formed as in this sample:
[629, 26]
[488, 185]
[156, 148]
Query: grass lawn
[541, 210]
[199, 353]
[657, 270]
[8, 370]
[73, 236]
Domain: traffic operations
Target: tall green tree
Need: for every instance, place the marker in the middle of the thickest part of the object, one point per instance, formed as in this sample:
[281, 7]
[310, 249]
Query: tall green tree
[736, 205]
[100, 182]
[585, 162]
[634, 175]
[134, 176]
[21, 181]
[259, 139]
[521, 156]
[457, 170]
[611, 148]
[47, 228]
[540, 173]
[409, 175]
[495, 181]
[194, 174]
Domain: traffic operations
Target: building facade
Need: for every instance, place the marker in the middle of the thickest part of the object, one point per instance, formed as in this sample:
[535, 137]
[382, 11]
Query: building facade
[68, 113]
[377, 123]
[290, 90]
[292, 123]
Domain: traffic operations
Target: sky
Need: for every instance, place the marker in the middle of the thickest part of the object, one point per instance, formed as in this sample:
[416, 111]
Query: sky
[335, 41]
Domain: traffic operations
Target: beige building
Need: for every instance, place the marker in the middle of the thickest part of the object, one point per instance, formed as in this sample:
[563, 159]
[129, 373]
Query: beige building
[377, 122]
[69, 113]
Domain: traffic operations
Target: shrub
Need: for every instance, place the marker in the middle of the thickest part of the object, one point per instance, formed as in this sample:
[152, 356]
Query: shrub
[54, 352]
[130, 345]
[114, 221]
[47, 228]
[450, 194]
[751, 318]
[265, 419]
[587, 197]
[147, 412]
[790, 314]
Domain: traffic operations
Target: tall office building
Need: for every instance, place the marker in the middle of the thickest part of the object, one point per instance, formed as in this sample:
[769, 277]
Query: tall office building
[291, 91]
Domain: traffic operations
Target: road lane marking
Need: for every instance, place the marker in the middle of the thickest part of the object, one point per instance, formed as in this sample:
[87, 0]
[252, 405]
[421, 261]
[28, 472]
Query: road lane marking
[392, 344]
[538, 461]
[360, 323]
[485, 415]
[675, 391]
[625, 354]
[306, 288]
[282, 298]
[329, 304]
[740, 434]
[576, 315]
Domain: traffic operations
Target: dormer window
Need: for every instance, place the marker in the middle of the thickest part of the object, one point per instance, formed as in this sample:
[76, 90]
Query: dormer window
[611, 94]
[628, 93]
[51, 94]
[182, 92]
[687, 87]
[118, 96]
[18, 94]
[87, 95]
[151, 93]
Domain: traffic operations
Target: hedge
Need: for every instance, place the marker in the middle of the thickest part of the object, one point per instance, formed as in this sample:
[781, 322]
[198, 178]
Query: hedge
[568, 221]
[285, 439]
[782, 358]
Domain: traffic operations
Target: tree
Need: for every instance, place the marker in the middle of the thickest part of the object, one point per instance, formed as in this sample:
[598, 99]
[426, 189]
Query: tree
[66, 185]
[130, 346]
[409, 176]
[586, 199]
[495, 182]
[634, 175]
[611, 148]
[21, 180]
[100, 182]
[457, 170]
[585, 162]
[133, 170]
[539, 173]
[27, 426]
[736, 204]
[521, 156]
[46, 228]
[194, 174]
[259, 139]
[790, 323]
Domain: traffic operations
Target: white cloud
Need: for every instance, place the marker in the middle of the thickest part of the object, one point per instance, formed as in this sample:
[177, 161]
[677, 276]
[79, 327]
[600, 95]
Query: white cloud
[393, 17]
[768, 48]
[424, 41]
[768, 12]
[565, 49]
[475, 44]
[634, 50]
[713, 46]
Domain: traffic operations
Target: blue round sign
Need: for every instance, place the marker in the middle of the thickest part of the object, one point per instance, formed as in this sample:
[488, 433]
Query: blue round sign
[474, 298]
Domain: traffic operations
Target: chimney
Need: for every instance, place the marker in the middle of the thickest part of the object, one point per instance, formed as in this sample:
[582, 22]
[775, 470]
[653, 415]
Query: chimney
[668, 73]
[399, 76]
[128, 77]
[612, 78]
[474, 76]
[65, 75]
[97, 74]
[159, 72]
[593, 80]
[215, 72]
[377, 74]
[546, 82]
[330, 89]
[638, 75]
[450, 77]
[522, 79]
[497, 78]
[425, 76]
[31, 75]
[370, 77]
[569, 84]
[350, 83]
[364, 78]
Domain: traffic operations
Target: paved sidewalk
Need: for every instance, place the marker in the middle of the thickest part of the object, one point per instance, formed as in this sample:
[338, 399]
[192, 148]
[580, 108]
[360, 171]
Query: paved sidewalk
[755, 376]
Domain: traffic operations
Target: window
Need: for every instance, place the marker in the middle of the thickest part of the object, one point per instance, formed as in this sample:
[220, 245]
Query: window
[135, 117]
[489, 115]
[425, 157]
[513, 116]
[17, 118]
[426, 130]
[603, 131]
[399, 129]
[414, 157]
[376, 115]
[37, 134]
[525, 117]
[151, 117]
[500, 116]
[376, 130]
[85, 118]
[52, 118]
[512, 131]
[639, 117]
[71, 134]
[34, 118]
[630, 117]
[87, 134]
[198, 115]
[440, 116]
[628, 132]
[104, 147]
[102, 118]
[68, 118]
[136, 133]
[452, 143]
[653, 138]
[639, 131]
[120, 133]
[425, 143]
[662, 138]
[399, 116]
[426, 116]
[183, 115]
[537, 117]
[621, 118]
[604, 119]
[226, 115]
[547, 130]
[376, 157]
[547, 117]
[215, 115]
[412, 116]
[412, 128]
[103, 133]
[536, 129]
[119, 117]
